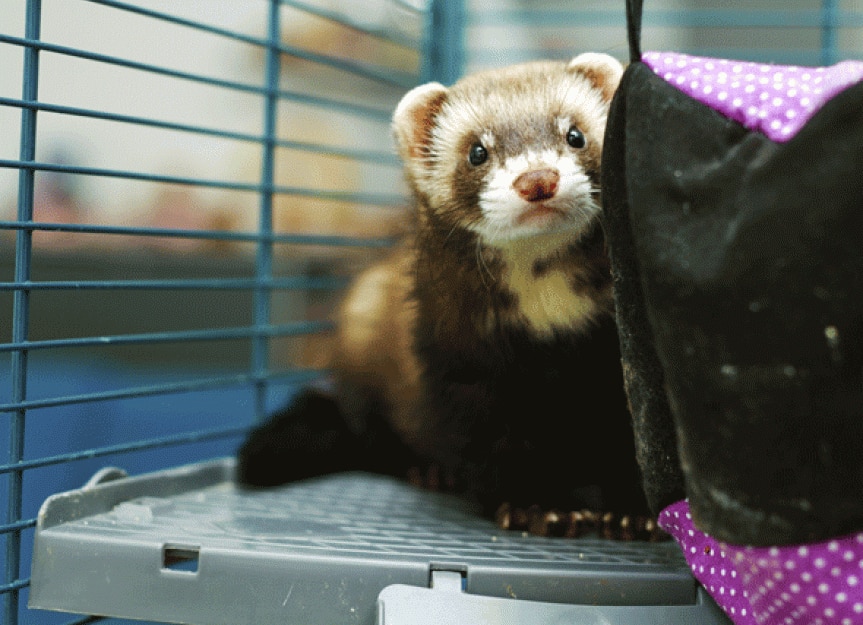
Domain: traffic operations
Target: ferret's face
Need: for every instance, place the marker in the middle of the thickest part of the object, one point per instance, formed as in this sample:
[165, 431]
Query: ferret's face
[510, 153]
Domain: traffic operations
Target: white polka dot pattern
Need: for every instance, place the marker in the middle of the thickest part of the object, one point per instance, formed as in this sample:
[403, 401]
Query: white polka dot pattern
[816, 584]
[776, 100]
[710, 563]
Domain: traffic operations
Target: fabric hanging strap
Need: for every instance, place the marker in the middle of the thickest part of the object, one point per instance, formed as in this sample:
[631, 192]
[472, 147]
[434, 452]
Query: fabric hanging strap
[633, 28]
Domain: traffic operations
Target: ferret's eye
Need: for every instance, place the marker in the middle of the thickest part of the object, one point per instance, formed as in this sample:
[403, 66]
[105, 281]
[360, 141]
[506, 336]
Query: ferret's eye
[575, 138]
[477, 155]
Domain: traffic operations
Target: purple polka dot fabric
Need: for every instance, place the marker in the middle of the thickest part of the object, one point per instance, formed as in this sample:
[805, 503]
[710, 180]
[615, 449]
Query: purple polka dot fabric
[776, 100]
[815, 584]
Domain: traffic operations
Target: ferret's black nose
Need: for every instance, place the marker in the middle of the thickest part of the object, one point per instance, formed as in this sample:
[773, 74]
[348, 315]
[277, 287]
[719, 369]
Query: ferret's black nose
[536, 185]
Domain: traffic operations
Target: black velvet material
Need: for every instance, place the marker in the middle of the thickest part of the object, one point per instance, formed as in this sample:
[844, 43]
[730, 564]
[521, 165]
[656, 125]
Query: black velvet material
[739, 276]
[644, 380]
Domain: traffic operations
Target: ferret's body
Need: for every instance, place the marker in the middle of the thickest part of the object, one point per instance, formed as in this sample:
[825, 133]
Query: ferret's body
[485, 344]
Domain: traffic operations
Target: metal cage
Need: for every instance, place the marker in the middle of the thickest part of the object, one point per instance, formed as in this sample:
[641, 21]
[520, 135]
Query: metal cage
[185, 187]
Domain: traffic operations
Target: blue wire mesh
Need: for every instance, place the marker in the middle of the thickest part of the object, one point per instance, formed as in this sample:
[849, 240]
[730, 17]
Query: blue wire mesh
[83, 385]
[148, 412]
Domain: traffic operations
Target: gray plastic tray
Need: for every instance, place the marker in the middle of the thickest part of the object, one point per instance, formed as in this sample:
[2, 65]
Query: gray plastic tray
[187, 546]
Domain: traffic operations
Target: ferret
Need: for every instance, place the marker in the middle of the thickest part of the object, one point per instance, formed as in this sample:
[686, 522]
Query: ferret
[483, 350]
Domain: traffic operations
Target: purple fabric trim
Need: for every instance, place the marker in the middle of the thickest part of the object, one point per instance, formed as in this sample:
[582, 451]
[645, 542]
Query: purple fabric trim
[815, 584]
[776, 100]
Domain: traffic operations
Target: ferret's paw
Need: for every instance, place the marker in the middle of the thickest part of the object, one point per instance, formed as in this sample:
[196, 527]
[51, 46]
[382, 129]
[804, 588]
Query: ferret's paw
[432, 476]
[630, 527]
[577, 523]
[539, 522]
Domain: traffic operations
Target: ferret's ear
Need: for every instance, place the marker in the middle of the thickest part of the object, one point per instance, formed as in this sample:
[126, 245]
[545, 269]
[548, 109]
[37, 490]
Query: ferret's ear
[602, 70]
[414, 119]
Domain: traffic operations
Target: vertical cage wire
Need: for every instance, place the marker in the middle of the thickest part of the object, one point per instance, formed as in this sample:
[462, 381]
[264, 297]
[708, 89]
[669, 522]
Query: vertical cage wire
[21, 316]
[444, 45]
[264, 255]
[829, 32]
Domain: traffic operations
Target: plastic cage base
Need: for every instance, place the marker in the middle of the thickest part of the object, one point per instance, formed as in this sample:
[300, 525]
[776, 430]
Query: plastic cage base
[187, 546]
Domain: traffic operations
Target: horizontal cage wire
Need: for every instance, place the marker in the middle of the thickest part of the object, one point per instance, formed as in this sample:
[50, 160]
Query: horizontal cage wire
[803, 32]
[185, 189]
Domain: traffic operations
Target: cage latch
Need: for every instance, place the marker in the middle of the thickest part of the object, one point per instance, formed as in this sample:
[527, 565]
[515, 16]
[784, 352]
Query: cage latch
[448, 580]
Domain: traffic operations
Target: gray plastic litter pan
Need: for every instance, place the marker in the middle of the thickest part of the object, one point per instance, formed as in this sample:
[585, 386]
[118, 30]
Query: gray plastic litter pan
[187, 546]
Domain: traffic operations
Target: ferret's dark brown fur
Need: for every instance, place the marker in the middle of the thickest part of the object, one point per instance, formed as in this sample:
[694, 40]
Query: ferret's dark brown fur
[485, 344]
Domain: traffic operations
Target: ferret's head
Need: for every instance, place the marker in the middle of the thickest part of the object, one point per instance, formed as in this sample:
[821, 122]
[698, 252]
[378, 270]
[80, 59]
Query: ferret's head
[510, 153]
